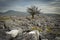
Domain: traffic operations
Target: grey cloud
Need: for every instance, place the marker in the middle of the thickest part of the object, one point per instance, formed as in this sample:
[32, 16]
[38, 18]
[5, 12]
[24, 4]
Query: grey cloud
[58, 10]
[55, 3]
[7, 4]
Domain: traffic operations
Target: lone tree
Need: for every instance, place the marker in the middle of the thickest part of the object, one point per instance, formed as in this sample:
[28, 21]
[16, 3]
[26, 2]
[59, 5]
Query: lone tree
[33, 10]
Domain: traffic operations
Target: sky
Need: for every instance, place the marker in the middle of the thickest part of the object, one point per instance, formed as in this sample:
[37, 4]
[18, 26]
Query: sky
[46, 6]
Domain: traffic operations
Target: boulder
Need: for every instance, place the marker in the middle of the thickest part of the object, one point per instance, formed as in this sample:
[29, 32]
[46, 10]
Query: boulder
[3, 35]
[32, 35]
[1, 24]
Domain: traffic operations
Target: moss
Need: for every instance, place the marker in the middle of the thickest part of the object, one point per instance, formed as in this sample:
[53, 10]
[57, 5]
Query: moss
[48, 29]
[37, 28]
[4, 18]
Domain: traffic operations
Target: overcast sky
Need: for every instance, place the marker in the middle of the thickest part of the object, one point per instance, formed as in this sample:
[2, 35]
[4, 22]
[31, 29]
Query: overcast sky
[47, 6]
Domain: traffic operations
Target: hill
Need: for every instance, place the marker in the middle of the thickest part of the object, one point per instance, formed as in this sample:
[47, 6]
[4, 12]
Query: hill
[13, 13]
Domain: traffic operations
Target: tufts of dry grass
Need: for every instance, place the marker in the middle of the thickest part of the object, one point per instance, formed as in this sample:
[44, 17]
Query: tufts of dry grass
[37, 28]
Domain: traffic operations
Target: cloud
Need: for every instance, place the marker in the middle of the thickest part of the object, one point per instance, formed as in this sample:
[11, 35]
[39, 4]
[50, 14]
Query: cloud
[47, 6]
[56, 5]
[57, 10]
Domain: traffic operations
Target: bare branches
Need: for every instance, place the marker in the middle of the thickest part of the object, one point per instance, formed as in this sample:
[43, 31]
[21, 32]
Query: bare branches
[33, 10]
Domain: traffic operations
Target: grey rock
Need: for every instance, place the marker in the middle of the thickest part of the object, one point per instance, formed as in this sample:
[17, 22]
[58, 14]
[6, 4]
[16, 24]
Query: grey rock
[3, 35]
[29, 36]
[2, 25]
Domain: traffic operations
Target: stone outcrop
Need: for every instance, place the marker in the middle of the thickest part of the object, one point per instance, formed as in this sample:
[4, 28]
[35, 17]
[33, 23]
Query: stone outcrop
[26, 24]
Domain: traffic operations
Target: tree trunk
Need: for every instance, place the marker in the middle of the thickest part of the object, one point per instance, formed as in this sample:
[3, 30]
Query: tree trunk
[32, 16]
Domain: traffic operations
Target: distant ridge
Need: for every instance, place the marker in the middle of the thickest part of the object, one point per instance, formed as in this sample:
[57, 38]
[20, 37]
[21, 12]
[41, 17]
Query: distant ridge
[14, 13]
[18, 13]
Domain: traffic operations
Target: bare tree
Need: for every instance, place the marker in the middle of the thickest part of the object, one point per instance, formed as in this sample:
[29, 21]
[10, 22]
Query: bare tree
[33, 10]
